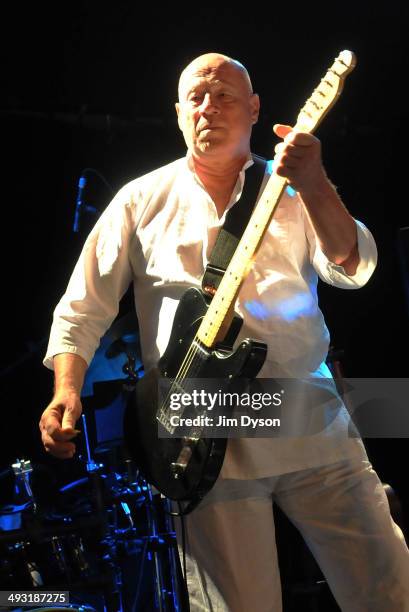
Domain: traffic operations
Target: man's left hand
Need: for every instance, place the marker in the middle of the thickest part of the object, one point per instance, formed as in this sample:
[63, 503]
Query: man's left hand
[298, 158]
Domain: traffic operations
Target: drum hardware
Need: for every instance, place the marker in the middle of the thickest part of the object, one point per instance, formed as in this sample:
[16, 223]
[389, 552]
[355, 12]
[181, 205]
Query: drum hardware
[154, 542]
[179, 594]
[23, 495]
[158, 545]
[96, 528]
[129, 492]
[78, 553]
[56, 553]
[120, 521]
[59, 555]
[127, 344]
[90, 465]
[105, 523]
[33, 570]
[132, 374]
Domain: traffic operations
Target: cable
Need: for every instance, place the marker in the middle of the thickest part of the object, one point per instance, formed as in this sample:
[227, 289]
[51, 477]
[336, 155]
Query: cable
[141, 571]
[97, 173]
[184, 573]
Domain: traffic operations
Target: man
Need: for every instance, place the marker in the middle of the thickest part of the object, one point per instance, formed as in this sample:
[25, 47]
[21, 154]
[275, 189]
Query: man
[159, 231]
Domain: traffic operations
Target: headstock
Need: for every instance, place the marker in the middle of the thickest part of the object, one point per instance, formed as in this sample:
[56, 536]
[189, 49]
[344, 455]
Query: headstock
[326, 94]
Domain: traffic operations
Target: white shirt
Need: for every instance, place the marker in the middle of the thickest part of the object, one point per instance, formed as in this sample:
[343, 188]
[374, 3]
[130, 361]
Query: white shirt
[159, 231]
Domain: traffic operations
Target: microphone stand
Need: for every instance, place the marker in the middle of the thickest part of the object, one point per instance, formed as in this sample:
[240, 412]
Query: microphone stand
[81, 206]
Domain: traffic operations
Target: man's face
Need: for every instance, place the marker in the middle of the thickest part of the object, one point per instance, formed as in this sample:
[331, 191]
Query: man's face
[216, 109]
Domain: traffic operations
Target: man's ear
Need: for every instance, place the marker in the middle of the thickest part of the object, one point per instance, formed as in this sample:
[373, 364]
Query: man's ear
[177, 107]
[255, 107]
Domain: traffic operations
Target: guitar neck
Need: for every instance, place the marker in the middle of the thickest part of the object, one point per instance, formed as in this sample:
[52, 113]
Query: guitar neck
[312, 113]
[241, 261]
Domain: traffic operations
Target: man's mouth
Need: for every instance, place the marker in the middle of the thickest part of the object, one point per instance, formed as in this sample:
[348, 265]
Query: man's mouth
[208, 128]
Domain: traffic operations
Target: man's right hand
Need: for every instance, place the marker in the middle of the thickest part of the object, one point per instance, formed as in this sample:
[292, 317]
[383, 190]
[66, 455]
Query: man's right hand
[57, 424]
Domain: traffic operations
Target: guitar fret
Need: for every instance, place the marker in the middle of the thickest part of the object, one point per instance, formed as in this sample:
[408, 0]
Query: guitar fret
[334, 72]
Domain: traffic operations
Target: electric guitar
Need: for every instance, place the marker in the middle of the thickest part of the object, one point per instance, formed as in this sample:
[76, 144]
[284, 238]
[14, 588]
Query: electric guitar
[200, 346]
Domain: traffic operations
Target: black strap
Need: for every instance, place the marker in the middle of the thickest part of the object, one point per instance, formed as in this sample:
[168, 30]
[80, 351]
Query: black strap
[234, 226]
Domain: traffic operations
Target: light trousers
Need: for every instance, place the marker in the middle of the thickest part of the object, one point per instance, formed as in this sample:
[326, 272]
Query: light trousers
[343, 515]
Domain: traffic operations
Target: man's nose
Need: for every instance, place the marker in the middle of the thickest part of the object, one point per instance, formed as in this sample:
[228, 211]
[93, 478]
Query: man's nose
[209, 104]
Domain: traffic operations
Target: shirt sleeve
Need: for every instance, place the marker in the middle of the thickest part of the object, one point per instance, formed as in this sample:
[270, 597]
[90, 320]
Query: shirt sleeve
[334, 274]
[99, 280]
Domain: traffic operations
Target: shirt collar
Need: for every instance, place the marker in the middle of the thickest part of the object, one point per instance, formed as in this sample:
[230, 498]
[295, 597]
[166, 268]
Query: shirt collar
[189, 160]
[238, 188]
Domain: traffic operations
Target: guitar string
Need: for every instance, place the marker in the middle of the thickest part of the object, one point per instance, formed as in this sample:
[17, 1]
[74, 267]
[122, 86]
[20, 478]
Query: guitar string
[181, 374]
[197, 432]
[184, 368]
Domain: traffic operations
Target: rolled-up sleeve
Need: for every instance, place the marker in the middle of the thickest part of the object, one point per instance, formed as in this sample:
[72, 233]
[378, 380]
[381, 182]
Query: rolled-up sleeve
[335, 274]
[99, 280]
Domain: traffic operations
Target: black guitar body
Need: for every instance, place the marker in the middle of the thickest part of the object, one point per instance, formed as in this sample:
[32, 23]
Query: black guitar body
[155, 455]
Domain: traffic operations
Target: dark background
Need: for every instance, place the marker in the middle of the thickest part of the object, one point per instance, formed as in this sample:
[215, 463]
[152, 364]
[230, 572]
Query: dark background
[92, 85]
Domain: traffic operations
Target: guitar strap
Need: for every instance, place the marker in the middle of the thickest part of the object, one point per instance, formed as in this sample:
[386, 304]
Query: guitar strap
[234, 226]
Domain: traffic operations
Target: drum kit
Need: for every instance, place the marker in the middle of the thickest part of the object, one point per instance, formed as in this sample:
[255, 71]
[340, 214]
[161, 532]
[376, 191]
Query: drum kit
[100, 532]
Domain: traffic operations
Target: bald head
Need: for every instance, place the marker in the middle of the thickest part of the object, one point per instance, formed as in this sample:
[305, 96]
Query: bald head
[207, 64]
[217, 108]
